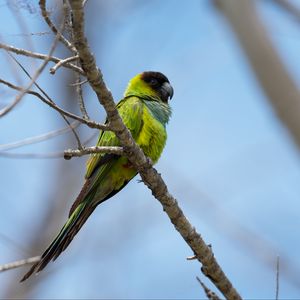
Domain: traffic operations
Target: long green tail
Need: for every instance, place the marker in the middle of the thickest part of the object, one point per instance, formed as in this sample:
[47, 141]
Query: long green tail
[64, 238]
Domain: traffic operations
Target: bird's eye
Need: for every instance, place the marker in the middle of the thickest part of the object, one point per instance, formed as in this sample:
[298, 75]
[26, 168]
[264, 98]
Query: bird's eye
[153, 81]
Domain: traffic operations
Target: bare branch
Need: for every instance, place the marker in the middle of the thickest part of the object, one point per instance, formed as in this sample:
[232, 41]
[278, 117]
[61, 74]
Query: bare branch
[79, 83]
[193, 257]
[24, 52]
[32, 155]
[18, 98]
[48, 98]
[68, 154]
[50, 155]
[19, 263]
[89, 123]
[61, 63]
[209, 293]
[142, 164]
[45, 15]
[80, 98]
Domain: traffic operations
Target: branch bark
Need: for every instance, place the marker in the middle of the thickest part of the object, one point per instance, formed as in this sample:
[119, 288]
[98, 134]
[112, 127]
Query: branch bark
[37, 73]
[68, 154]
[28, 53]
[143, 165]
[42, 4]
[19, 263]
[87, 122]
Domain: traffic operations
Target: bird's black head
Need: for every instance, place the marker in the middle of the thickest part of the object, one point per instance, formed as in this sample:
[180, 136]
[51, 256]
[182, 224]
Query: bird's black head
[159, 83]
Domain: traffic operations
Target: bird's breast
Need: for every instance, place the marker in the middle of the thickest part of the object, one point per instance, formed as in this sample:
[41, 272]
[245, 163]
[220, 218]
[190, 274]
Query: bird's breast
[153, 135]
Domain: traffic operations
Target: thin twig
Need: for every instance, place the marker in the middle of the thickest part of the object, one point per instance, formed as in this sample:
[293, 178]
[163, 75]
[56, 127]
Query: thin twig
[19, 263]
[24, 52]
[79, 83]
[68, 154]
[89, 123]
[38, 138]
[209, 293]
[78, 79]
[142, 164]
[51, 155]
[48, 97]
[193, 257]
[61, 63]
[45, 15]
[18, 98]
[80, 98]
[277, 278]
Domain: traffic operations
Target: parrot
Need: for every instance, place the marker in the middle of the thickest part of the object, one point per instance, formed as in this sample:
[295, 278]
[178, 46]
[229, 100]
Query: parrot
[145, 111]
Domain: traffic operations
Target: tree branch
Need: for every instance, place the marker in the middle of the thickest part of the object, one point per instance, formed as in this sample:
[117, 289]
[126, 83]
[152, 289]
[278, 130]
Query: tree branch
[68, 154]
[89, 123]
[42, 4]
[61, 63]
[143, 165]
[51, 155]
[19, 263]
[209, 293]
[24, 52]
[18, 98]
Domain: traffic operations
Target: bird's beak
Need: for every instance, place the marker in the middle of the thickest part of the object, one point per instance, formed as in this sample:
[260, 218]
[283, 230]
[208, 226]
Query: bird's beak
[168, 89]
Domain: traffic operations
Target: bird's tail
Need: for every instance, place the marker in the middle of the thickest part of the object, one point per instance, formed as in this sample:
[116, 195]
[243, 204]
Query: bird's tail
[64, 238]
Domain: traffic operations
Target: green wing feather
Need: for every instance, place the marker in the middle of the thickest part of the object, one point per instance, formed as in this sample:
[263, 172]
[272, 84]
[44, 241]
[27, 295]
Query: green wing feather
[130, 110]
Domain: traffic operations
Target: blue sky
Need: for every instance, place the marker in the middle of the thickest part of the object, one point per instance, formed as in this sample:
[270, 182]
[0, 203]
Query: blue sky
[230, 163]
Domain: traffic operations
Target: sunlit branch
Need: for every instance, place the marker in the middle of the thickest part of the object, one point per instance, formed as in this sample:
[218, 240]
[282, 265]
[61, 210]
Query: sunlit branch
[51, 155]
[80, 98]
[89, 123]
[28, 53]
[209, 293]
[18, 98]
[61, 37]
[61, 63]
[19, 263]
[49, 99]
[79, 83]
[68, 154]
[32, 155]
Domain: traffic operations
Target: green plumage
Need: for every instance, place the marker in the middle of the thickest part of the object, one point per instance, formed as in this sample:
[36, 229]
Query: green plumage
[145, 112]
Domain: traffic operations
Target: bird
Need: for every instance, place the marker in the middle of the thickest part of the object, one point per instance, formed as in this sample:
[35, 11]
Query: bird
[145, 111]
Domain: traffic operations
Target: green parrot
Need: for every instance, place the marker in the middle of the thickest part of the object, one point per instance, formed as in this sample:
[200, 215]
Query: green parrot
[145, 111]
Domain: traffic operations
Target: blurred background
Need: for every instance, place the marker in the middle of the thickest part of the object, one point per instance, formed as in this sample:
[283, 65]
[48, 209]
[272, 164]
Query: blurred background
[229, 161]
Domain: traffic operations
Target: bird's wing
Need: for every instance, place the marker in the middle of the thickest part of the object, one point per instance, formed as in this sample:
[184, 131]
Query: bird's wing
[130, 110]
[98, 165]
